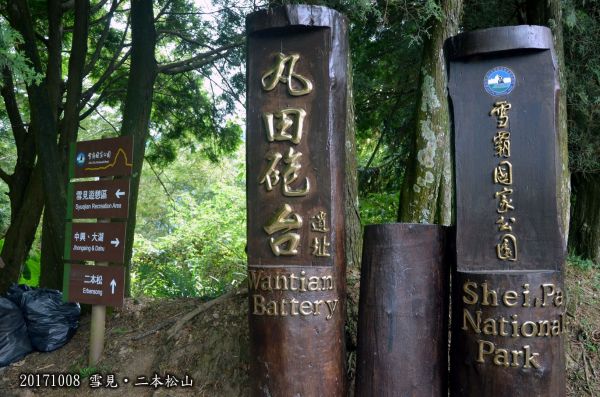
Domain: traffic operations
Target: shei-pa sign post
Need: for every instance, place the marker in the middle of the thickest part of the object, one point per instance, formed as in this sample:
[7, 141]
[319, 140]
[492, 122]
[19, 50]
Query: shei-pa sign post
[104, 241]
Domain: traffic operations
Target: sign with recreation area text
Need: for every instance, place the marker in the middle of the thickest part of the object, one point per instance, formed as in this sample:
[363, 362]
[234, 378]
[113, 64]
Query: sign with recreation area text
[95, 242]
[101, 157]
[95, 285]
[98, 199]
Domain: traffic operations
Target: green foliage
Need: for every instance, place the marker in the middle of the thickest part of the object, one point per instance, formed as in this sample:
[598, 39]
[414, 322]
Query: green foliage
[12, 59]
[191, 242]
[581, 263]
[31, 271]
[377, 208]
[582, 55]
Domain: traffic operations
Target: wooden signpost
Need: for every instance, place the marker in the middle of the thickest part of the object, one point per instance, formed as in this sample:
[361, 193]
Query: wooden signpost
[296, 125]
[95, 285]
[98, 199]
[101, 157]
[95, 242]
[508, 296]
[103, 242]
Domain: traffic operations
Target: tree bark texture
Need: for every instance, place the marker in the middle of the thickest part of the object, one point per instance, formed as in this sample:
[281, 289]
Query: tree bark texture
[51, 269]
[585, 224]
[549, 13]
[403, 321]
[427, 190]
[42, 102]
[25, 191]
[138, 104]
[21, 231]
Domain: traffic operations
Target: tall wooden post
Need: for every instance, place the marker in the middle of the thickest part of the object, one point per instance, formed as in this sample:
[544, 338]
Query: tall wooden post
[508, 296]
[296, 126]
[403, 317]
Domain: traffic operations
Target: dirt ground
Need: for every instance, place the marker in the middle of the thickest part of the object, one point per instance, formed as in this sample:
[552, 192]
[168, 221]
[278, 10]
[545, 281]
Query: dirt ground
[148, 339]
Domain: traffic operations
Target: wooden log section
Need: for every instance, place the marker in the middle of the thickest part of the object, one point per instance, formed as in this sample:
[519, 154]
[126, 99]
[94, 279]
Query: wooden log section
[508, 299]
[296, 127]
[403, 312]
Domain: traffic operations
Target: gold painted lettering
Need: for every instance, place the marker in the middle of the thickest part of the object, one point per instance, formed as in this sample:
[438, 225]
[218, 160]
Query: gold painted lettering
[503, 173]
[502, 144]
[483, 351]
[284, 219]
[501, 357]
[543, 328]
[486, 293]
[319, 222]
[319, 247]
[503, 225]
[473, 297]
[489, 327]
[530, 358]
[506, 250]
[468, 318]
[286, 244]
[510, 298]
[277, 74]
[306, 308]
[331, 305]
[532, 329]
[548, 291]
[500, 110]
[270, 176]
[259, 305]
[505, 203]
[277, 125]
[313, 283]
[292, 161]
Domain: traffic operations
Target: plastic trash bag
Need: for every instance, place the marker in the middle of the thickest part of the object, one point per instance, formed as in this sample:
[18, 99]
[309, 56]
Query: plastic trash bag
[14, 342]
[15, 293]
[50, 322]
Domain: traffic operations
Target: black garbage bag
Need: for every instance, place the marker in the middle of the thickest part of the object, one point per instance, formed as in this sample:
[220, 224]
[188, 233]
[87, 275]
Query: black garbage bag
[14, 342]
[15, 293]
[50, 322]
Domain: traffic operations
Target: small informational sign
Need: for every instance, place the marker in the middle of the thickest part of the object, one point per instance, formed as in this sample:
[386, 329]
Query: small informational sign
[95, 285]
[95, 242]
[98, 199]
[102, 157]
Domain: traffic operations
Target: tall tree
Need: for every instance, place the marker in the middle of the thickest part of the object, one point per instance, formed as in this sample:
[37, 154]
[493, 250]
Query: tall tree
[427, 190]
[138, 104]
[97, 79]
[582, 27]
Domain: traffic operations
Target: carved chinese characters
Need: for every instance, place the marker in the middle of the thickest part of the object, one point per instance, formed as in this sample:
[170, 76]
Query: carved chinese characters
[508, 301]
[285, 166]
[506, 249]
[296, 123]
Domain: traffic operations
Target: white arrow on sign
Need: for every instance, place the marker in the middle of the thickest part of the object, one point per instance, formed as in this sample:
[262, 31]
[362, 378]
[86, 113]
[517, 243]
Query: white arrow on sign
[115, 242]
[113, 284]
[119, 193]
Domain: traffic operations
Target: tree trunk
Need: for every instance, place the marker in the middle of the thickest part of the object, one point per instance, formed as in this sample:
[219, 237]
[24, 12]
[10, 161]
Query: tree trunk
[21, 232]
[585, 224]
[549, 13]
[138, 104]
[51, 265]
[25, 191]
[44, 118]
[427, 189]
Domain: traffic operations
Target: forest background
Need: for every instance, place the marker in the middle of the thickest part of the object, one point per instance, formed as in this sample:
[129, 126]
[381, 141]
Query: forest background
[172, 74]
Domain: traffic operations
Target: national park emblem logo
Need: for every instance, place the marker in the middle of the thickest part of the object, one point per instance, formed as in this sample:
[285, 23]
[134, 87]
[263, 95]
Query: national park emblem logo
[80, 159]
[499, 81]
